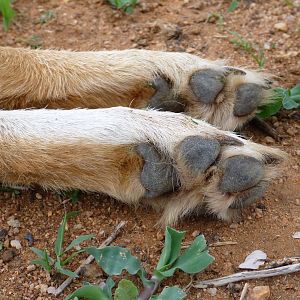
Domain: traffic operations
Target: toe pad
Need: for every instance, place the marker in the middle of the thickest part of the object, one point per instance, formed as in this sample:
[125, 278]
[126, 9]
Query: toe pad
[248, 97]
[199, 153]
[158, 176]
[207, 84]
[241, 173]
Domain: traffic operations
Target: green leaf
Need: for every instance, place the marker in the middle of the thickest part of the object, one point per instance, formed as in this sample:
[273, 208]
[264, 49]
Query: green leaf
[289, 103]
[194, 260]
[126, 291]
[169, 293]
[295, 90]
[38, 252]
[71, 257]
[142, 274]
[170, 253]
[270, 109]
[90, 292]
[66, 272]
[107, 289]
[113, 260]
[233, 6]
[7, 12]
[47, 260]
[43, 263]
[79, 240]
[61, 231]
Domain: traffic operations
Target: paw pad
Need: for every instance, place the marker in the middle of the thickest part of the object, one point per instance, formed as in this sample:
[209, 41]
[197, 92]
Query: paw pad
[158, 176]
[241, 173]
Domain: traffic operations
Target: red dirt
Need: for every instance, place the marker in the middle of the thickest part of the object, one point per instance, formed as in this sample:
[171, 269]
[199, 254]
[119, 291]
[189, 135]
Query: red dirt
[94, 25]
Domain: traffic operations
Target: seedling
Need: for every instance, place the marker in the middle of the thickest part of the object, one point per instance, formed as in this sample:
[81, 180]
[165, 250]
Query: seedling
[46, 16]
[62, 258]
[125, 5]
[255, 52]
[233, 6]
[113, 260]
[7, 13]
[280, 98]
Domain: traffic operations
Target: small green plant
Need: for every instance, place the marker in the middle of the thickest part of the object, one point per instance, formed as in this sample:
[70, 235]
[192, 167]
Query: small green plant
[62, 257]
[255, 52]
[113, 260]
[46, 16]
[125, 5]
[35, 41]
[280, 98]
[233, 6]
[7, 13]
[218, 18]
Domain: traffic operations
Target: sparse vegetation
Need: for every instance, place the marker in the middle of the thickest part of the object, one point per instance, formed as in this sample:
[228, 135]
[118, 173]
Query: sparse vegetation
[233, 6]
[62, 257]
[46, 16]
[281, 98]
[7, 13]
[254, 50]
[114, 260]
[125, 5]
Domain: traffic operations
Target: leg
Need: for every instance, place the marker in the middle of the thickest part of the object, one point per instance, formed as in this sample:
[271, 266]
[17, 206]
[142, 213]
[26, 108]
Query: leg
[163, 159]
[178, 82]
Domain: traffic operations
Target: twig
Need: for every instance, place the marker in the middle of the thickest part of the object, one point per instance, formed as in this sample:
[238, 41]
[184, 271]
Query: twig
[244, 291]
[90, 258]
[248, 275]
[218, 244]
[265, 128]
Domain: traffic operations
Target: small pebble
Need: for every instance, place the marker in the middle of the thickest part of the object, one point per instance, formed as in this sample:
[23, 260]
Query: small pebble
[31, 268]
[297, 202]
[269, 140]
[38, 196]
[43, 288]
[3, 233]
[16, 244]
[28, 236]
[8, 255]
[212, 291]
[12, 222]
[195, 233]
[281, 26]
[259, 293]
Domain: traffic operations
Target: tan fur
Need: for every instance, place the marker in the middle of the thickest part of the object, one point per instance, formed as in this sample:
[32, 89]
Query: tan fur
[111, 169]
[67, 79]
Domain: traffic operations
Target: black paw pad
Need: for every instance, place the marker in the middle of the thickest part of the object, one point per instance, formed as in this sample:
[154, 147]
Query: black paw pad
[248, 97]
[163, 99]
[241, 173]
[207, 84]
[158, 176]
[199, 153]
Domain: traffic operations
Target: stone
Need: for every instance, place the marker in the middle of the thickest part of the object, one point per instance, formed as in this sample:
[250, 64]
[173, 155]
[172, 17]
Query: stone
[12, 222]
[259, 293]
[269, 140]
[212, 291]
[31, 268]
[281, 26]
[8, 255]
[16, 244]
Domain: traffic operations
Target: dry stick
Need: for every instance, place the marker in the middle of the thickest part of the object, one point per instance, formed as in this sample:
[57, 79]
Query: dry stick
[244, 291]
[248, 275]
[90, 258]
[265, 128]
